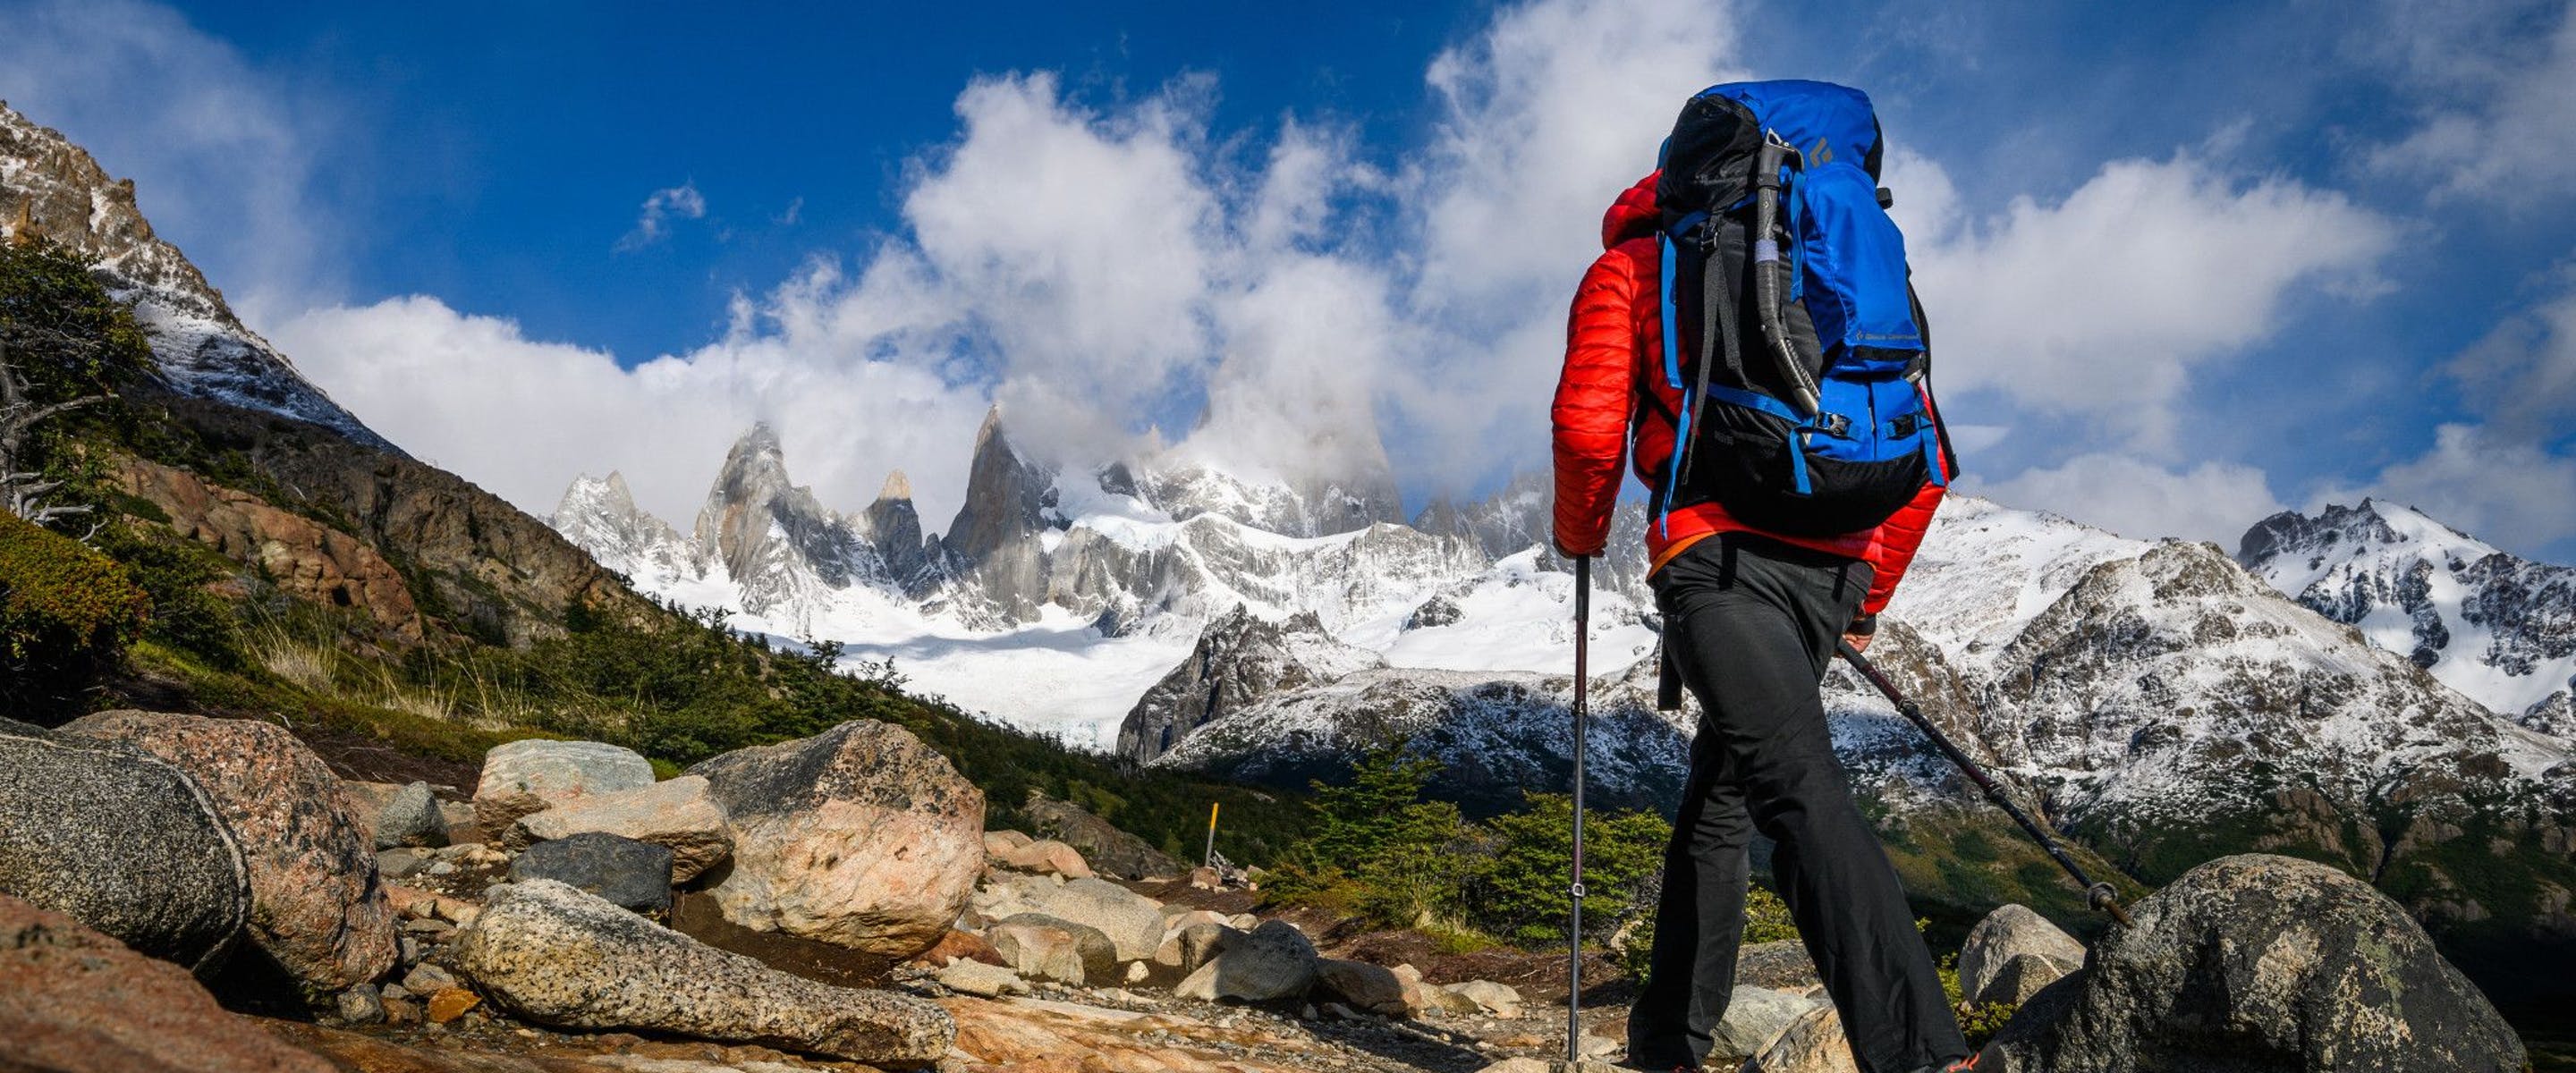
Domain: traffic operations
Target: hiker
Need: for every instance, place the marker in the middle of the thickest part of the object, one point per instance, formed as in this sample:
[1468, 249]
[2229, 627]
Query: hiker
[1779, 416]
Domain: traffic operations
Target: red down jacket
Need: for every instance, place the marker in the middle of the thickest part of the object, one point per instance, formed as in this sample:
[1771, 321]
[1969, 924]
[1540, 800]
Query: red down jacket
[1613, 343]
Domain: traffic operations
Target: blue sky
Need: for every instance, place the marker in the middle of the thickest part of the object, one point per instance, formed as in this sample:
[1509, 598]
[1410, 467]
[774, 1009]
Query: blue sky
[2188, 263]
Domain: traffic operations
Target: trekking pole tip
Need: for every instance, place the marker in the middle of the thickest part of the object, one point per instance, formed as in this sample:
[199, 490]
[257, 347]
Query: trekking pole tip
[2107, 900]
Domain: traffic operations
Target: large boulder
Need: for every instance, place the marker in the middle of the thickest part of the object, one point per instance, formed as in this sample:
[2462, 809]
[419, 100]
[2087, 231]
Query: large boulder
[1104, 847]
[2011, 932]
[1131, 919]
[522, 777]
[2260, 963]
[121, 841]
[317, 907]
[624, 872]
[1273, 961]
[859, 836]
[75, 1001]
[678, 815]
[557, 956]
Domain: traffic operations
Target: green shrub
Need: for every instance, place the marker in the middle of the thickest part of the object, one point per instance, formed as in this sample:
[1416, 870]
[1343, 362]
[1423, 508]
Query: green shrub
[66, 615]
[1766, 917]
[1374, 849]
[1979, 1022]
[174, 574]
[1519, 892]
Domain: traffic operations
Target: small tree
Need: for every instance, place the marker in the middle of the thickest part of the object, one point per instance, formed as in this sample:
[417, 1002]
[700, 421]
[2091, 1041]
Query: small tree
[65, 343]
[1520, 892]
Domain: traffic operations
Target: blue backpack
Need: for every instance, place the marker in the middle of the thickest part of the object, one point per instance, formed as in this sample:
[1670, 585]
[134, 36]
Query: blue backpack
[1787, 305]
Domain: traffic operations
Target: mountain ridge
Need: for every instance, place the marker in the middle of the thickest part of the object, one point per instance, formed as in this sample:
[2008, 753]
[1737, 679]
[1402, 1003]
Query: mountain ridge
[203, 349]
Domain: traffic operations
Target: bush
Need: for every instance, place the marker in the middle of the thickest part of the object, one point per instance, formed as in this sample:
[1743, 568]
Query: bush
[1376, 850]
[66, 615]
[1520, 891]
[174, 574]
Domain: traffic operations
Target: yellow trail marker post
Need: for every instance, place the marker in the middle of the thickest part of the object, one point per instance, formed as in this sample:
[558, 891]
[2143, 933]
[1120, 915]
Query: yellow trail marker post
[1210, 857]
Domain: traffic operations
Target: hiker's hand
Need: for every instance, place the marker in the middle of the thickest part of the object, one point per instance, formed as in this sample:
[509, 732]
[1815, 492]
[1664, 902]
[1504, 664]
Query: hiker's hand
[1862, 628]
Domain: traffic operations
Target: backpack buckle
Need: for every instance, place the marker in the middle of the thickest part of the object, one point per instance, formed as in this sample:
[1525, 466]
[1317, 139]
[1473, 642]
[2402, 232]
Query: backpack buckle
[1834, 425]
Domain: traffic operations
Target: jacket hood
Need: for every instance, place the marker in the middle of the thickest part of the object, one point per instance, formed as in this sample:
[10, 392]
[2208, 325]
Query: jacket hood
[1634, 215]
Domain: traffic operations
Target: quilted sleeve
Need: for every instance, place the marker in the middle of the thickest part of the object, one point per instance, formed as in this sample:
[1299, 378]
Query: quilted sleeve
[1593, 403]
[1892, 547]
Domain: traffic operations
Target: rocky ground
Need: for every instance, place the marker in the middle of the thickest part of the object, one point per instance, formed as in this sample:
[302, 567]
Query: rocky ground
[183, 893]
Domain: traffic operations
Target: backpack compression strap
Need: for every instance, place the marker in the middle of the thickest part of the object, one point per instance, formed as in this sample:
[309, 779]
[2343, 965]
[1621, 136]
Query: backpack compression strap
[1717, 335]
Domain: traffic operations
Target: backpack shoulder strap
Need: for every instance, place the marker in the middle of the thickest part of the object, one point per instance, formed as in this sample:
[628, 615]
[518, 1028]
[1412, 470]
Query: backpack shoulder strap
[1717, 335]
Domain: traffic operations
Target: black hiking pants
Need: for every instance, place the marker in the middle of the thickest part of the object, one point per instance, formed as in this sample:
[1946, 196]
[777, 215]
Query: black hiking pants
[1751, 624]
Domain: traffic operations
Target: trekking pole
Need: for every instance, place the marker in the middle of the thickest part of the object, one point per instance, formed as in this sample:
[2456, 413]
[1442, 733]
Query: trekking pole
[1582, 680]
[2100, 896]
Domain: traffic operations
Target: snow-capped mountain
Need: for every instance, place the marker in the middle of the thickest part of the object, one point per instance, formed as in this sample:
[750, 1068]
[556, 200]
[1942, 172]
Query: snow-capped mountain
[1056, 598]
[2157, 701]
[55, 187]
[2497, 627]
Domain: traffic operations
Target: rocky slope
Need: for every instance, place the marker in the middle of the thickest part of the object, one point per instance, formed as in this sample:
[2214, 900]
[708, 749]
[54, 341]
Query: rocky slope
[204, 349]
[2492, 625]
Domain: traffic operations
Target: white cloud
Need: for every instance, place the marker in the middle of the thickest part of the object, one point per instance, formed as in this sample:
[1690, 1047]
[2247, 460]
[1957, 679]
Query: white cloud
[2508, 491]
[2213, 501]
[2100, 306]
[2501, 121]
[654, 222]
[521, 416]
[1543, 117]
[222, 158]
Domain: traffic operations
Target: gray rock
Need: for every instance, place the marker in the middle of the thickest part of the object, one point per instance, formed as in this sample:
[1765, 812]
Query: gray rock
[121, 841]
[1500, 1000]
[2009, 932]
[1755, 1016]
[1813, 1043]
[1273, 961]
[630, 874]
[427, 979]
[967, 976]
[677, 814]
[412, 818]
[1131, 920]
[362, 1005]
[397, 863]
[522, 777]
[2024, 977]
[860, 836]
[2259, 962]
[1099, 955]
[1197, 943]
[1040, 951]
[1393, 992]
[1107, 849]
[556, 956]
